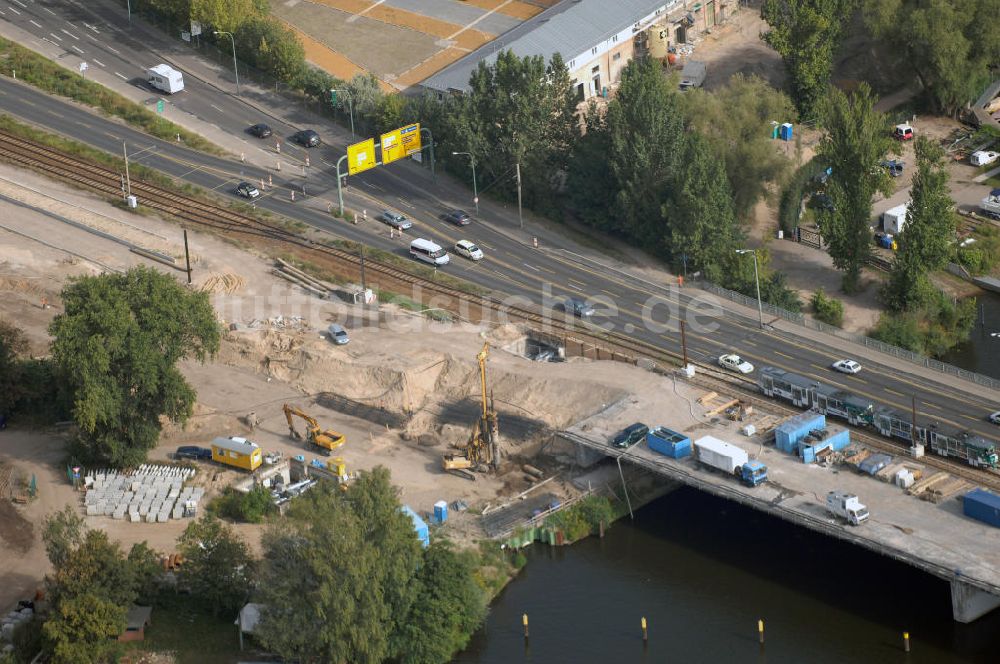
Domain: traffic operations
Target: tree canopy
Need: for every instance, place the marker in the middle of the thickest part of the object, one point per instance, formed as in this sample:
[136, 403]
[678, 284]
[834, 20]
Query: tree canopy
[924, 244]
[953, 46]
[218, 567]
[341, 575]
[858, 138]
[116, 345]
[806, 34]
[92, 587]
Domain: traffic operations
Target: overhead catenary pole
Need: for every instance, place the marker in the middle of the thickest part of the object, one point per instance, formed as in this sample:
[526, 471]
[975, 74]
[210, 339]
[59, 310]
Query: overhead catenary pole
[430, 147]
[756, 279]
[187, 255]
[520, 216]
[684, 346]
[475, 190]
[350, 104]
[128, 181]
[340, 191]
[363, 284]
[235, 68]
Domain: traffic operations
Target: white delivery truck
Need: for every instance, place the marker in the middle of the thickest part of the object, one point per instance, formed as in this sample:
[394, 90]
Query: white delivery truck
[720, 455]
[894, 218]
[165, 78]
[846, 506]
[693, 75]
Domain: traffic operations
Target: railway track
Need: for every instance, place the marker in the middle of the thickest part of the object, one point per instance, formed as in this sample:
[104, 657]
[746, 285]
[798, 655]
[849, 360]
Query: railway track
[106, 181]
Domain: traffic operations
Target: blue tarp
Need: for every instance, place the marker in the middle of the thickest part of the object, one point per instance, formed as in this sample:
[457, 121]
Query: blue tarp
[423, 533]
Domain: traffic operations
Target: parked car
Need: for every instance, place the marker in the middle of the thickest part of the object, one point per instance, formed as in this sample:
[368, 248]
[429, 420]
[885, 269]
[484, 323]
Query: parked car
[193, 452]
[260, 130]
[734, 362]
[894, 166]
[306, 138]
[338, 334]
[395, 220]
[458, 217]
[577, 307]
[903, 132]
[630, 435]
[469, 250]
[994, 417]
[847, 366]
[247, 190]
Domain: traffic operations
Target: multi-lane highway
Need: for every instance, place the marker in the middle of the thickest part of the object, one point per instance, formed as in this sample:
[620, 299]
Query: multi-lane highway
[98, 33]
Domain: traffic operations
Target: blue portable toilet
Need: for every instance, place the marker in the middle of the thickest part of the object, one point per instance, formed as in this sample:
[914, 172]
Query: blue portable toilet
[775, 127]
[441, 511]
[423, 533]
[786, 131]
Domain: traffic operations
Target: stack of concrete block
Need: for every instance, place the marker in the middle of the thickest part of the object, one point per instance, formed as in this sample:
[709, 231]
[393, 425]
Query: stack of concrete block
[152, 493]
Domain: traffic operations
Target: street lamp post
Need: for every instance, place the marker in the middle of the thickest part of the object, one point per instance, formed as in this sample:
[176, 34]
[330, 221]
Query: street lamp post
[475, 190]
[350, 105]
[128, 3]
[756, 278]
[235, 69]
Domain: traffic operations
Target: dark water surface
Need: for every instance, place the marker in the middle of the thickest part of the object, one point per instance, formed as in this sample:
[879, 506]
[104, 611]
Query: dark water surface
[702, 571]
[981, 353]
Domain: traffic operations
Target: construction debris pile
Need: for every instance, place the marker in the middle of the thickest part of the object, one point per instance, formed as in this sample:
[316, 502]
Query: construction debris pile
[152, 493]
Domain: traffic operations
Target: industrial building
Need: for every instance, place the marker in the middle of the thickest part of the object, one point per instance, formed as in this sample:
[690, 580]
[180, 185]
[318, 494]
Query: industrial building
[594, 39]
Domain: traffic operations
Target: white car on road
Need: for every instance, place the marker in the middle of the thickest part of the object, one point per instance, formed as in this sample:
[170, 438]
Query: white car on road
[983, 157]
[469, 250]
[846, 366]
[734, 362]
[994, 417]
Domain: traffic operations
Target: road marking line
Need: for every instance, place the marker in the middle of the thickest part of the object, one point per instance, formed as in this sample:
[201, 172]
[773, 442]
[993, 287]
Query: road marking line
[89, 26]
[108, 133]
[216, 108]
[114, 50]
[608, 292]
[531, 266]
[32, 21]
[21, 3]
[56, 36]
[49, 10]
[14, 10]
[406, 204]
[77, 48]
[355, 17]
[2, 13]
[121, 76]
[784, 355]
[932, 405]
[99, 62]
[92, 38]
[892, 391]
[64, 30]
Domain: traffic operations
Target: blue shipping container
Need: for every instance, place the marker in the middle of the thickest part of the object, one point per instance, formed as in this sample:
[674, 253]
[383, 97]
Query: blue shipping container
[982, 506]
[837, 440]
[668, 442]
[423, 533]
[790, 432]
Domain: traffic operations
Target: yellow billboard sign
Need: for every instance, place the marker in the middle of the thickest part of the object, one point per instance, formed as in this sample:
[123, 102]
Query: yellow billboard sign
[400, 143]
[361, 156]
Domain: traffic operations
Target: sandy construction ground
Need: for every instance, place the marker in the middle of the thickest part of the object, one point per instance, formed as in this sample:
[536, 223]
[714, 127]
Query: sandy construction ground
[404, 391]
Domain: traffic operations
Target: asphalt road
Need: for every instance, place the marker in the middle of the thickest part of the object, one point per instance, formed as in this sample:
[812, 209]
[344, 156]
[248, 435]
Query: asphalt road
[96, 32]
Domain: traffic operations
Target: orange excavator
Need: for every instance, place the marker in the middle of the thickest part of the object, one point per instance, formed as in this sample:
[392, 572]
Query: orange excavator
[327, 441]
[481, 452]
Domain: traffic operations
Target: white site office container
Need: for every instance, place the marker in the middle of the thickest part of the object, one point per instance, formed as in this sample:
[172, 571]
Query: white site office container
[893, 219]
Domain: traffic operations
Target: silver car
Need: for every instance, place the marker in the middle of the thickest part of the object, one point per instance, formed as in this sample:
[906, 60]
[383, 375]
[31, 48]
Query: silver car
[396, 220]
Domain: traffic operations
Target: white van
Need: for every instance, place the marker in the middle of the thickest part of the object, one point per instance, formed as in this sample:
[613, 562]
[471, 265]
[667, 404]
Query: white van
[165, 78]
[428, 252]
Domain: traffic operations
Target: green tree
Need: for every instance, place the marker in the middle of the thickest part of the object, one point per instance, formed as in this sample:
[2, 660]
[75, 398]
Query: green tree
[925, 243]
[13, 348]
[83, 629]
[91, 589]
[857, 140]
[218, 567]
[645, 147]
[271, 46]
[952, 46]
[805, 33]
[224, 14]
[451, 607]
[117, 345]
[389, 112]
[735, 119]
[827, 309]
[703, 223]
[591, 192]
[337, 578]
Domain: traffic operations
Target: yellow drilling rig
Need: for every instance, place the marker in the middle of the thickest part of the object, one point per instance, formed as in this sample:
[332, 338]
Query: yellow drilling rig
[482, 451]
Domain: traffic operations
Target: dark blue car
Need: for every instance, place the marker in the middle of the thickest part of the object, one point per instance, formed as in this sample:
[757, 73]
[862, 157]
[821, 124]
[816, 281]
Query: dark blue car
[193, 452]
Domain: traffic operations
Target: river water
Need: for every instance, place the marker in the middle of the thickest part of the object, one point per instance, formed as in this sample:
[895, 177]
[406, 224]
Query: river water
[981, 352]
[702, 571]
